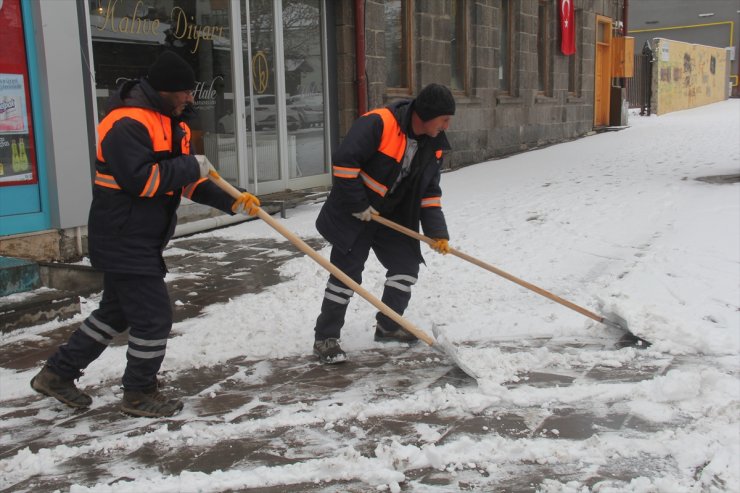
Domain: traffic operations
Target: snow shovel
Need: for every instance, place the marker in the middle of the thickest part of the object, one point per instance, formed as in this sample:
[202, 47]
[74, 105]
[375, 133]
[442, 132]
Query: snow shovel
[621, 325]
[440, 344]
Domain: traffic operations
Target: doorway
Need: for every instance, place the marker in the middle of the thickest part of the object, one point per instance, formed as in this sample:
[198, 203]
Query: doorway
[602, 76]
[285, 94]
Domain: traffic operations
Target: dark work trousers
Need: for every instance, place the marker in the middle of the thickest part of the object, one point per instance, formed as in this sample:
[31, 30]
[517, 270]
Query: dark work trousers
[395, 252]
[138, 303]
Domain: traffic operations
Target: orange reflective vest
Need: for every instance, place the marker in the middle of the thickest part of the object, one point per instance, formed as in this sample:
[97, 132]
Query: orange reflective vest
[159, 128]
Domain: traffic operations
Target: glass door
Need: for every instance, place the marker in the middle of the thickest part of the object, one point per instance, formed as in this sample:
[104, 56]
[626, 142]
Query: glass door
[284, 73]
[260, 89]
[304, 88]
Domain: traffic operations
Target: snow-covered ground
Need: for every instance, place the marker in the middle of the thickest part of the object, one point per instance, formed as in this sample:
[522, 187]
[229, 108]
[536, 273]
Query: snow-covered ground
[616, 222]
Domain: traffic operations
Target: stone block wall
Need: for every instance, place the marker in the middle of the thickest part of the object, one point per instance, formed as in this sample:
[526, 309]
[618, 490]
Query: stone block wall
[52, 245]
[489, 123]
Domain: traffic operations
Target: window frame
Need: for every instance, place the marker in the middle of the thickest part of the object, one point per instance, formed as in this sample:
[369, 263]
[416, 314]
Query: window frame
[507, 58]
[407, 11]
[462, 48]
[544, 49]
[575, 61]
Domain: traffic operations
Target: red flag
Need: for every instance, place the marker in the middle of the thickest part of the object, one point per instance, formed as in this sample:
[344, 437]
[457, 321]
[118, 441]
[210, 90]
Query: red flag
[567, 27]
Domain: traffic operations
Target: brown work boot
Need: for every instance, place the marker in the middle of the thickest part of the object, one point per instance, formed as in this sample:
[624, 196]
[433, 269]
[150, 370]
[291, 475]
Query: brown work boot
[149, 403]
[398, 335]
[64, 390]
[329, 352]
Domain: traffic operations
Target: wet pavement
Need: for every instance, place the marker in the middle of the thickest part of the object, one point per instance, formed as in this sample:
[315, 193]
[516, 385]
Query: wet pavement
[245, 414]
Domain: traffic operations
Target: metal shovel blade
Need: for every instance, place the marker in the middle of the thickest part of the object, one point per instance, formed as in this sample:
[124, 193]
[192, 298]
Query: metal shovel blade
[627, 339]
[445, 347]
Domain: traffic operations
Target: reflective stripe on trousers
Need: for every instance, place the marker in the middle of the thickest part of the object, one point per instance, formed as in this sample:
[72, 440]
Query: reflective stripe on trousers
[139, 304]
[394, 252]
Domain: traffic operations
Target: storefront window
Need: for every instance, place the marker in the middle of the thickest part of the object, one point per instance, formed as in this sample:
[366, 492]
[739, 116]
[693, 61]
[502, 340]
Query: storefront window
[17, 156]
[282, 78]
[128, 35]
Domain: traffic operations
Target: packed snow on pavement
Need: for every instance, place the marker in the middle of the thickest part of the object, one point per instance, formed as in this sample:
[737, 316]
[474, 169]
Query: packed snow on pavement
[616, 222]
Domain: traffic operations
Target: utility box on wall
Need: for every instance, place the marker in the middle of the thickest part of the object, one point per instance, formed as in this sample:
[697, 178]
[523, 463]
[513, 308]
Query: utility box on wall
[623, 56]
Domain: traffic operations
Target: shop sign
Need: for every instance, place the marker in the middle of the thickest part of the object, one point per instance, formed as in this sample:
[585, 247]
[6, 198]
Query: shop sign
[181, 26]
[204, 93]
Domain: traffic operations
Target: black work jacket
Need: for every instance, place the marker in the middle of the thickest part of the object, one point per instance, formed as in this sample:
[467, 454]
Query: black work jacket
[143, 167]
[364, 169]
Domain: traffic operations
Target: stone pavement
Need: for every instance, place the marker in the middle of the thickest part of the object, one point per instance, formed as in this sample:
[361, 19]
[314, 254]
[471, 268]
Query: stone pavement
[240, 404]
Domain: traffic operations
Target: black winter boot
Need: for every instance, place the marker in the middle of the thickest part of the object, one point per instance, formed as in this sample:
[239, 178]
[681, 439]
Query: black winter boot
[49, 383]
[149, 403]
[398, 335]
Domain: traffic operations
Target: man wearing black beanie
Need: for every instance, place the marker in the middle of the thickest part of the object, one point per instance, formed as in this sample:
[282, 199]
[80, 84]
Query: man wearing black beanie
[143, 168]
[389, 164]
[170, 73]
[433, 101]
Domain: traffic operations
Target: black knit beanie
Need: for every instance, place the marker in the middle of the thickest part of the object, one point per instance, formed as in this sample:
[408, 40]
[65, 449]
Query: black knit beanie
[170, 73]
[433, 101]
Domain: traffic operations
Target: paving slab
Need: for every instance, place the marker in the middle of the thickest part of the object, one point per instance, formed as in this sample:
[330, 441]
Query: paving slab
[301, 411]
[244, 419]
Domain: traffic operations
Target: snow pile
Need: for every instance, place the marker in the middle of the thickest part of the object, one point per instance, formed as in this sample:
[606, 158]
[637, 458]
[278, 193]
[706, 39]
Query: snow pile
[614, 222]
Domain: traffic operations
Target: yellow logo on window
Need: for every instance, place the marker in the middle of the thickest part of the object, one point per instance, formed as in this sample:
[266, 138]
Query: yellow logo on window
[260, 72]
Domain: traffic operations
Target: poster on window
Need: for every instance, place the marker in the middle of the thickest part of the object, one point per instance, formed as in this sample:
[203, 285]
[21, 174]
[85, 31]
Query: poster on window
[14, 163]
[12, 104]
[17, 146]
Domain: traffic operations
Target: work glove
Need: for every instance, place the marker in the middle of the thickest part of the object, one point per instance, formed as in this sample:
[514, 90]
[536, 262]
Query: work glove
[205, 165]
[246, 204]
[365, 215]
[441, 245]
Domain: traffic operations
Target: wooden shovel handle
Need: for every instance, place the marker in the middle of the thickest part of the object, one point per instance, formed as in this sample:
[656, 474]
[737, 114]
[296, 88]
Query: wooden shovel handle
[305, 248]
[491, 268]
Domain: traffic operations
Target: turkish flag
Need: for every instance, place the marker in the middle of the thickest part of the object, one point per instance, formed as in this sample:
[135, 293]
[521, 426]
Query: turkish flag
[567, 27]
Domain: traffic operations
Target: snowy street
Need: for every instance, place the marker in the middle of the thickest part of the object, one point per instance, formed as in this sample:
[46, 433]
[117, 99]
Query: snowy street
[642, 223]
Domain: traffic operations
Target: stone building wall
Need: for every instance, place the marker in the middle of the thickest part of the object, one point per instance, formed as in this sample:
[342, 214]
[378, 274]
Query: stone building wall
[488, 123]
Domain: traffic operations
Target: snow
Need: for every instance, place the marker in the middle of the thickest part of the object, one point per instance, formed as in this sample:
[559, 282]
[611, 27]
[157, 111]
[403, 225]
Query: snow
[615, 222]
